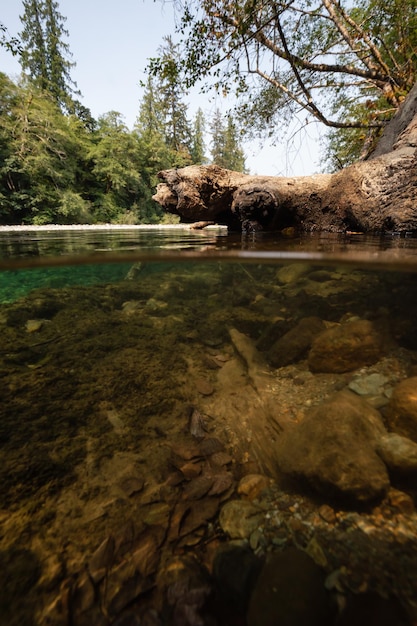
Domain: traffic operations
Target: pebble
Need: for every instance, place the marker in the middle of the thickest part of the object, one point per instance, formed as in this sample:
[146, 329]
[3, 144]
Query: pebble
[33, 326]
[239, 518]
[204, 387]
[252, 485]
[371, 385]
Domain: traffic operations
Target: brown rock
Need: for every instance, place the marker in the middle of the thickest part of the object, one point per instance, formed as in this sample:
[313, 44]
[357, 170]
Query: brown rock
[191, 470]
[401, 501]
[334, 448]
[402, 409]
[252, 485]
[346, 347]
[222, 482]
[295, 343]
[239, 518]
[204, 386]
[198, 487]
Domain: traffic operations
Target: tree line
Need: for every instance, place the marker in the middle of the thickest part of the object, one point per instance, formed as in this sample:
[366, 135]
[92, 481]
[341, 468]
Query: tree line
[346, 65]
[60, 165]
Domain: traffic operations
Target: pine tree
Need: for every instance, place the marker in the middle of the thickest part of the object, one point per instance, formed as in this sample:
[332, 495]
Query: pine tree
[45, 55]
[225, 147]
[217, 138]
[177, 128]
[197, 142]
[233, 156]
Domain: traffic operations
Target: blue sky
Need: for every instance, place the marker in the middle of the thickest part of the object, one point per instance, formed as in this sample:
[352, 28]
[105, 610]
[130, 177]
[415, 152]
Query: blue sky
[111, 41]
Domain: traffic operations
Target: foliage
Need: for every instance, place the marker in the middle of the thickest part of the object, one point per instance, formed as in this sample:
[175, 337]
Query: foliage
[12, 44]
[60, 165]
[225, 147]
[198, 145]
[45, 54]
[347, 66]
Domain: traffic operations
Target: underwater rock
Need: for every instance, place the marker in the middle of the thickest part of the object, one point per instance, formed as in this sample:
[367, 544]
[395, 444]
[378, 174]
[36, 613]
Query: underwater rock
[33, 326]
[370, 385]
[398, 453]
[334, 448]
[186, 588]
[291, 273]
[402, 409]
[295, 342]
[252, 485]
[235, 570]
[346, 347]
[239, 518]
[290, 592]
[204, 387]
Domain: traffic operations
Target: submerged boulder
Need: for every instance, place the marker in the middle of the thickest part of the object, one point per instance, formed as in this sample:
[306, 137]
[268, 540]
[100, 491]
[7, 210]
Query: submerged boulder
[334, 448]
[295, 343]
[346, 347]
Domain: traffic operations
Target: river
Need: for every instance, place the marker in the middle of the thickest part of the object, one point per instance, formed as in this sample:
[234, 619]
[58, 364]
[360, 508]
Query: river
[182, 411]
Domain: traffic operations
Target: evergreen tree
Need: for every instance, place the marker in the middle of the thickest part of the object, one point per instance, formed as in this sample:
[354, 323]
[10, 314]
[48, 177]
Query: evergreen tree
[115, 156]
[44, 159]
[10, 43]
[217, 138]
[170, 90]
[45, 54]
[154, 153]
[197, 143]
[225, 147]
[233, 153]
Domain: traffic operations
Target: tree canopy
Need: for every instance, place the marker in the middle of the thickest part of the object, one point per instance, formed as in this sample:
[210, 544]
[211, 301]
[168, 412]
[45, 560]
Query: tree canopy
[347, 66]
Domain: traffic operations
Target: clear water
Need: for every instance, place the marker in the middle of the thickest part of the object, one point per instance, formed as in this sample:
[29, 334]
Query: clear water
[148, 379]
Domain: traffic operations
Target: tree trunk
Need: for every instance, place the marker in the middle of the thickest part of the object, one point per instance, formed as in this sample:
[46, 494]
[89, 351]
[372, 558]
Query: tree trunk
[376, 195]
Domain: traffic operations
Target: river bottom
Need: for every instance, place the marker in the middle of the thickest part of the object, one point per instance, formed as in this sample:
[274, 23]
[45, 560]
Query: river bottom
[153, 430]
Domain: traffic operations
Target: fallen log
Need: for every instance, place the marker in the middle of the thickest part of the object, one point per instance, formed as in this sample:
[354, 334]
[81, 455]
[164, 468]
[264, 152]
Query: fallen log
[376, 195]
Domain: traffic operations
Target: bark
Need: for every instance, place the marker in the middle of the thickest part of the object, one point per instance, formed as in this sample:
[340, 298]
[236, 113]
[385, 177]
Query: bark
[376, 195]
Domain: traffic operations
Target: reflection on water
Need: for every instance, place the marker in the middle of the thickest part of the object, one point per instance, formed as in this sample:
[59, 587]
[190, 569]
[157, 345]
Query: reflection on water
[189, 442]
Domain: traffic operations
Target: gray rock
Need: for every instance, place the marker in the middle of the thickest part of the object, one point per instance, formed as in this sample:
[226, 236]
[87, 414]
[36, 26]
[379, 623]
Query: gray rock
[369, 385]
[334, 448]
[398, 453]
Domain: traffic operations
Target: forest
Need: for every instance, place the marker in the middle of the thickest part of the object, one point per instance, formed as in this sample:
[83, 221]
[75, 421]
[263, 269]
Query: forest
[60, 165]
[348, 66]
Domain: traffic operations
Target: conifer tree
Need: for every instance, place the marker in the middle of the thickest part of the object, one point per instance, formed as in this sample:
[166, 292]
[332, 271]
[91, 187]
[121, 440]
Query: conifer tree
[177, 128]
[225, 147]
[197, 143]
[45, 56]
[217, 138]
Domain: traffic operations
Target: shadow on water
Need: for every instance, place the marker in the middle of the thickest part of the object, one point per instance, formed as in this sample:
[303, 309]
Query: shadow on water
[200, 423]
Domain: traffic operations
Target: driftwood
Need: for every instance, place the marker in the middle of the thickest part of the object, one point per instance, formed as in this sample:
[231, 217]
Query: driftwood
[376, 195]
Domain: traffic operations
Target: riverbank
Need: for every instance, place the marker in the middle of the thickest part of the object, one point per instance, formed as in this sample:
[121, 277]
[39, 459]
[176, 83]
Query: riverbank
[48, 227]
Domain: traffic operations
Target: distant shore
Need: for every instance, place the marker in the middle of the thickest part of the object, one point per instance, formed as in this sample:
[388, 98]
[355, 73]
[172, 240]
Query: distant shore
[108, 227]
